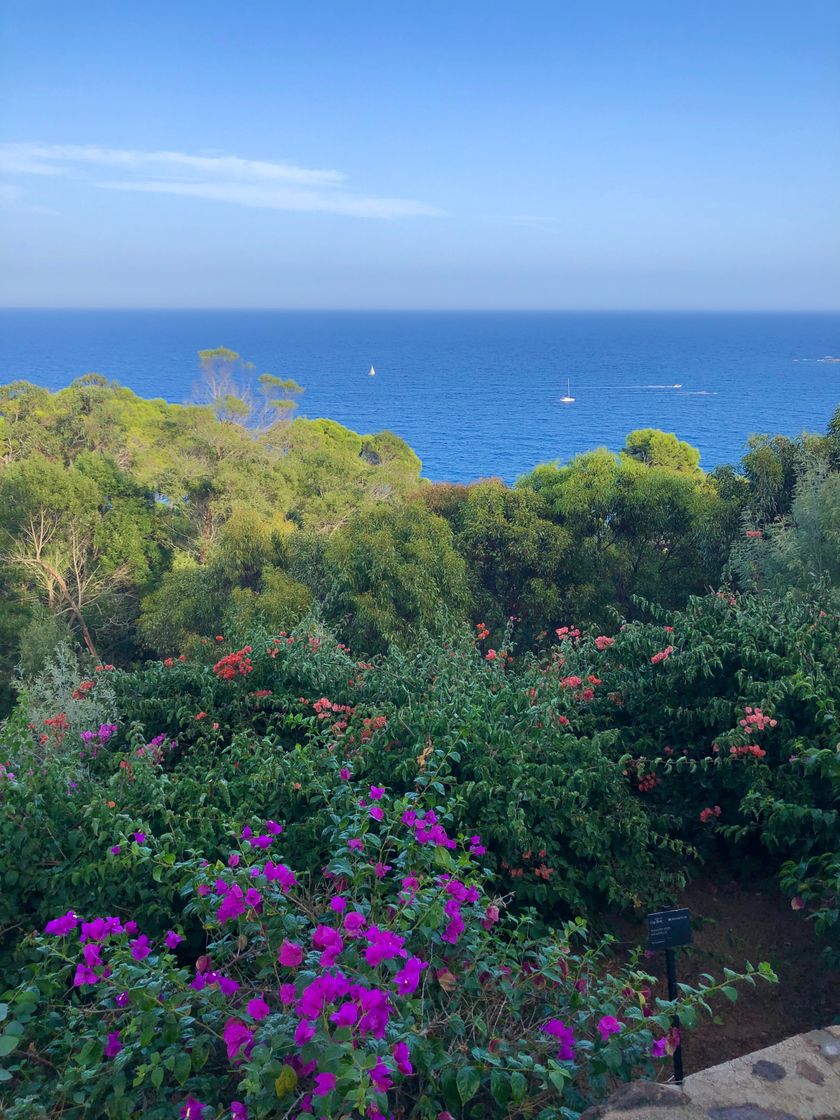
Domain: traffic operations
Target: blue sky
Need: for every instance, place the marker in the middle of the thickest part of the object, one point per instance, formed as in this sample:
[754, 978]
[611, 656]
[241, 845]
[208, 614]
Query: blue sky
[612, 154]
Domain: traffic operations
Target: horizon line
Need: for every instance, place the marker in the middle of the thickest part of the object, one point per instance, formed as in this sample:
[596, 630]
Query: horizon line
[439, 310]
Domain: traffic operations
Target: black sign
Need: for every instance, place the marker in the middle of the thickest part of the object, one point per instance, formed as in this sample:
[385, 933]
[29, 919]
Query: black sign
[669, 928]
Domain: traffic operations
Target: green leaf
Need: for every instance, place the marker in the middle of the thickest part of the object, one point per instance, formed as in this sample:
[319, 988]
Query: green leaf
[182, 1067]
[468, 1080]
[285, 1082]
[7, 1044]
[500, 1087]
[518, 1086]
[157, 1076]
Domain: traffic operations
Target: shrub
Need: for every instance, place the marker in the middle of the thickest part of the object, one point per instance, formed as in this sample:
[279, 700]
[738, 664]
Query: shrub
[392, 979]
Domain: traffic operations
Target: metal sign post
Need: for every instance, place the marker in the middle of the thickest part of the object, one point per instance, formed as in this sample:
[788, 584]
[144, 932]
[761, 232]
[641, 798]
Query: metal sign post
[668, 930]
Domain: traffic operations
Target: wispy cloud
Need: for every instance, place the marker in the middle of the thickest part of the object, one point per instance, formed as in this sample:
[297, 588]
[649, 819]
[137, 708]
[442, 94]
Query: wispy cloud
[265, 184]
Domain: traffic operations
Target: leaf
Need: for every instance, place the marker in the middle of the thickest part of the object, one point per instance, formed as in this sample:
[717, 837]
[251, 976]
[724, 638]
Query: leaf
[182, 1067]
[7, 1044]
[285, 1082]
[518, 1085]
[157, 1076]
[559, 1078]
[468, 1080]
[499, 1087]
[730, 993]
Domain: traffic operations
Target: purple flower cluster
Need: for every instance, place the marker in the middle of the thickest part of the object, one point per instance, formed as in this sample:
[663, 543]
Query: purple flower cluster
[427, 830]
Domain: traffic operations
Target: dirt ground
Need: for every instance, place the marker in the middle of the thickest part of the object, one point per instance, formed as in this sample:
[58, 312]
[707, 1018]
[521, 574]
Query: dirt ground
[733, 925]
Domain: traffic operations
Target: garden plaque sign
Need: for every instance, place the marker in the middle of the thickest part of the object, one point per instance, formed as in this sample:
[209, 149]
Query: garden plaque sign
[668, 930]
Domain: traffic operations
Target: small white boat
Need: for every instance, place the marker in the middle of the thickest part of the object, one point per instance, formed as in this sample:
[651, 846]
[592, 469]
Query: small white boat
[678, 386]
[568, 399]
[371, 372]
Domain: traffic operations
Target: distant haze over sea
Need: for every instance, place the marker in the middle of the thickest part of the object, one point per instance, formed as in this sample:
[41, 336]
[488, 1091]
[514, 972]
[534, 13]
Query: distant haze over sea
[475, 393]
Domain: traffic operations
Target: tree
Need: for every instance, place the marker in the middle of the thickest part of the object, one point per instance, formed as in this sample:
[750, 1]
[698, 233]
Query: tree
[395, 568]
[661, 449]
[517, 558]
[227, 383]
[50, 540]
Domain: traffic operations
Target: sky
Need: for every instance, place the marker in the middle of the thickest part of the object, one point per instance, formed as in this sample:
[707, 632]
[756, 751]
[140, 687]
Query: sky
[568, 154]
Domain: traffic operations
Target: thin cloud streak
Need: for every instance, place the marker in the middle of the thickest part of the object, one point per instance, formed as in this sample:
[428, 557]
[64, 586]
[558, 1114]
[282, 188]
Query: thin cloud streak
[281, 198]
[263, 184]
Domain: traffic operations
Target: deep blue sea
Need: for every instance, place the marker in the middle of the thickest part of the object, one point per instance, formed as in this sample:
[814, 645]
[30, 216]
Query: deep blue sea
[475, 394]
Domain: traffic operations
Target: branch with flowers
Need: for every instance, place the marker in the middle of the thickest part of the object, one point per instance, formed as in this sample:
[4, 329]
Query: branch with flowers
[392, 983]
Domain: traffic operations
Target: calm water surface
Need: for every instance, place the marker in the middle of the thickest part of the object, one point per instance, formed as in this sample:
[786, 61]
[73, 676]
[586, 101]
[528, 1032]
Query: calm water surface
[475, 394]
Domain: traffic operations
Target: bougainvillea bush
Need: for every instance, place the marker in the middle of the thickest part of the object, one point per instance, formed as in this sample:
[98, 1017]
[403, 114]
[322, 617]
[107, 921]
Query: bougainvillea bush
[599, 773]
[391, 982]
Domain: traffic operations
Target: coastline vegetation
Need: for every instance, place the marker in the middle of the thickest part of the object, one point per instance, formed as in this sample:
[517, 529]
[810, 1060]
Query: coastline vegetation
[319, 778]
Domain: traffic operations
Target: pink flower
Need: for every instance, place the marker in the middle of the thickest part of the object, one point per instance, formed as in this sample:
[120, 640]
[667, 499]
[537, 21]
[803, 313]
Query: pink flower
[338, 904]
[608, 1025]
[113, 1045]
[564, 1035]
[660, 1047]
[140, 947]
[304, 1033]
[344, 774]
[384, 945]
[288, 994]
[380, 1075]
[280, 873]
[355, 844]
[172, 939]
[60, 927]
[377, 793]
[238, 1037]
[346, 1015]
[324, 1084]
[192, 1109]
[238, 1111]
[401, 1057]
[491, 916]
[257, 1008]
[329, 940]
[381, 869]
[408, 977]
[377, 812]
[354, 923]
[290, 954]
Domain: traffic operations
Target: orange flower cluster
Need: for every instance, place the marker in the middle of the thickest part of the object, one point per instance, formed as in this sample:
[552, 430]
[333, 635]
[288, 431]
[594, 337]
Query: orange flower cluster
[236, 664]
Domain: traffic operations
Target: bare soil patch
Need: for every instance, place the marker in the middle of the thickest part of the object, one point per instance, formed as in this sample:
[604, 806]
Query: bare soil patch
[734, 924]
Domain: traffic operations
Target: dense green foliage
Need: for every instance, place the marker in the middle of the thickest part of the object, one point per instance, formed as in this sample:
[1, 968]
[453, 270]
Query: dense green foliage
[216, 618]
[145, 526]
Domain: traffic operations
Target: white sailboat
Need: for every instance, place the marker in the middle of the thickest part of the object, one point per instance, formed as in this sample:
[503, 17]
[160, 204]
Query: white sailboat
[568, 399]
[371, 372]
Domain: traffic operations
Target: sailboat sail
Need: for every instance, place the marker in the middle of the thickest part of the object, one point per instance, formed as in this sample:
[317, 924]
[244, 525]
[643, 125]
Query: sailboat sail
[371, 372]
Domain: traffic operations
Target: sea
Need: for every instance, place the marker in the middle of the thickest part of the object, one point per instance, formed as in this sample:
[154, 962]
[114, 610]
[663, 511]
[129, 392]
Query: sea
[476, 394]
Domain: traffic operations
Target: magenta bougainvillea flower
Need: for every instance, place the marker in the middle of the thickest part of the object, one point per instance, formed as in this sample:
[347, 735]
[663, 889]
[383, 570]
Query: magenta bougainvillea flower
[608, 1025]
[556, 1028]
[290, 954]
[324, 1083]
[113, 1044]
